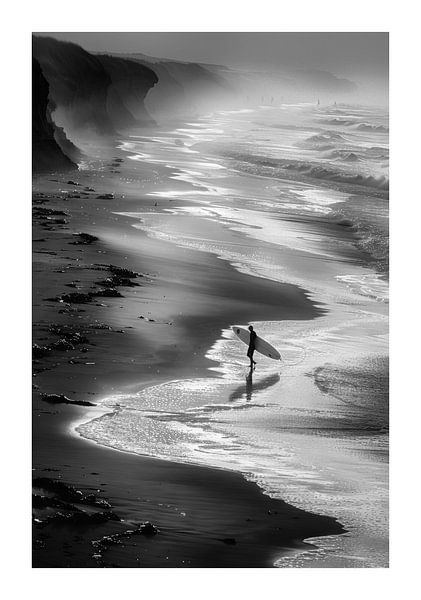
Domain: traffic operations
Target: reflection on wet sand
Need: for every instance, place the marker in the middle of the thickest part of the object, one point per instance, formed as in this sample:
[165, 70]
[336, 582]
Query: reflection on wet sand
[248, 388]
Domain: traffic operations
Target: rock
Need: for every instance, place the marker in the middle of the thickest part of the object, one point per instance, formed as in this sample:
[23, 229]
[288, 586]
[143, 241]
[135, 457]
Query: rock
[75, 298]
[40, 351]
[62, 345]
[108, 293]
[41, 502]
[39, 211]
[69, 334]
[147, 529]
[62, 399]
[116, 280]
[84, 239]
[122, 272]
[105, 197]
[106, 541]
[78, 518]
[58, 221]
[72, 183]
[89, 189]
[95, 501]
[65, 492]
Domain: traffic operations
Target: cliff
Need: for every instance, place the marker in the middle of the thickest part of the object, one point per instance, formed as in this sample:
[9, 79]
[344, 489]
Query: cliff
[130, 83]
[93, 94]
[186, 88]
[46, 152]
[78, 85]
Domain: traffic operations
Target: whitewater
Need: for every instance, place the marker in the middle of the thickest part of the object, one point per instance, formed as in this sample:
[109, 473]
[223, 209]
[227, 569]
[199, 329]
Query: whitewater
[309, 184]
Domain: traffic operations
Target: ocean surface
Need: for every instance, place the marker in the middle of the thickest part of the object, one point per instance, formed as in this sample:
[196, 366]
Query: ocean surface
[310, 185]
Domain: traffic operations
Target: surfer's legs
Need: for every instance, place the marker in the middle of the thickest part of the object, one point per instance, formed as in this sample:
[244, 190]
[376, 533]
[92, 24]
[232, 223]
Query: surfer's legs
[250, 355]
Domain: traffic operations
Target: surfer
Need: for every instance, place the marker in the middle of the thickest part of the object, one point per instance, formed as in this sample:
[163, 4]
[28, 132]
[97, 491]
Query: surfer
[252, 346]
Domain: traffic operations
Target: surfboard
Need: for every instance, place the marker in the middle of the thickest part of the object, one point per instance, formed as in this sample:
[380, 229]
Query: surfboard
[262, 345]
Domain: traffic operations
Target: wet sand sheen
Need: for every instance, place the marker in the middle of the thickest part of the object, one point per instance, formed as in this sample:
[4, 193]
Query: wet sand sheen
[199, 511]
[183, 287]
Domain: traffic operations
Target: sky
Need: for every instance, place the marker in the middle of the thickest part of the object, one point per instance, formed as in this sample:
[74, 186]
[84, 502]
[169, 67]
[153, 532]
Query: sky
[358, 56]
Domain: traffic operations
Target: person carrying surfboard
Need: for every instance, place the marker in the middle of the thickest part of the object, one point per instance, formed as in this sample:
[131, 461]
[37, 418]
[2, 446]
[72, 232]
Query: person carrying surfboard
[252, 346]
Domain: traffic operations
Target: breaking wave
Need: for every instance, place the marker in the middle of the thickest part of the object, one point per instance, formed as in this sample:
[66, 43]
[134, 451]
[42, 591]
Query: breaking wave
[309, 169]
[370, 127]
[345, 155]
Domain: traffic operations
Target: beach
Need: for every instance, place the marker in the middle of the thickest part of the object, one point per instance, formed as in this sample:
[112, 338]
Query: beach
[143, 402]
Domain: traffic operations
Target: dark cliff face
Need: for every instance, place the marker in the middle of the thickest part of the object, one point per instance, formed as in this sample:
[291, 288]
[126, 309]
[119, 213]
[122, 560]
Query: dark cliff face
[93, 93]
[186, 88]
[130, 83]
[78, 85]
[46, 152]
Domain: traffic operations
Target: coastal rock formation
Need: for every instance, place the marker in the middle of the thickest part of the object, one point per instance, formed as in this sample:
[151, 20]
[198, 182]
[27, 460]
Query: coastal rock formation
[47, 154]
[78, 85]
[186, 88]
[101, 94]
[130, 83]
[93, 94]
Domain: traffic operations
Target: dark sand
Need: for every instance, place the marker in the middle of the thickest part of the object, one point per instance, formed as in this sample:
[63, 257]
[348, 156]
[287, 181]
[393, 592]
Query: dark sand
[205, 517]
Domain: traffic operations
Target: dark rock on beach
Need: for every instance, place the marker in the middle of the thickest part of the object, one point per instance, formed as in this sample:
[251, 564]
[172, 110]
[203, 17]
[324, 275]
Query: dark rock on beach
[116, 280]
[122, 272]
[84, 239]
[40, 211]
[75, 298]
[69, 333]
[68, 493]
[62, 399]
[78, 519]
[62, 345]
[107, 293]
[40, 351]
[146, 529]
[43, 502]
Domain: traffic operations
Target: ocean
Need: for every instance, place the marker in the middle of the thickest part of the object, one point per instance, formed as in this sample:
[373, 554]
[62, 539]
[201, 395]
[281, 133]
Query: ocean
[295, 194]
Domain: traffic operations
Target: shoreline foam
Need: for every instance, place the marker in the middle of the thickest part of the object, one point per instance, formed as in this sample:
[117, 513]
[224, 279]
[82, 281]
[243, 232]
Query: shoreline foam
[114, 246]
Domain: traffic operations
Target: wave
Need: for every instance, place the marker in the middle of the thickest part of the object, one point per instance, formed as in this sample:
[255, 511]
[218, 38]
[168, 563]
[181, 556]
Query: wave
[359, 126]
[340, 122]
[377, 153]
[325, 137]
[345, 155]
[312, 170]
[371, 127]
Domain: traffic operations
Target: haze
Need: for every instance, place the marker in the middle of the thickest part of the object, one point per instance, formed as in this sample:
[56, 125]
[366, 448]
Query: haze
[359, 56]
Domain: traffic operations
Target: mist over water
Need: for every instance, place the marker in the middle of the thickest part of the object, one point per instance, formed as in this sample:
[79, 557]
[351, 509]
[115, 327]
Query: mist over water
[295, 193]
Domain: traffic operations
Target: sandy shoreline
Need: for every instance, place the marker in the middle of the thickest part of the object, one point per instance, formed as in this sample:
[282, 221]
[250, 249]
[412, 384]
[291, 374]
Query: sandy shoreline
[206, 517]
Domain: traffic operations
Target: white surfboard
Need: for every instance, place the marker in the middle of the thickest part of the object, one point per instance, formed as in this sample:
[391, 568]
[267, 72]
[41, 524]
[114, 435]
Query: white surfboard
[262, 345]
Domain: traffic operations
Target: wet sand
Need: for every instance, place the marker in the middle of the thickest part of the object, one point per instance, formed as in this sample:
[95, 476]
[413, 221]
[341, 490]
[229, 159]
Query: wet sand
[153, 331]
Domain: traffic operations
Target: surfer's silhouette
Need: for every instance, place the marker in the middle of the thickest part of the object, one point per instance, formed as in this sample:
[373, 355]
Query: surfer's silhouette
[252, 346]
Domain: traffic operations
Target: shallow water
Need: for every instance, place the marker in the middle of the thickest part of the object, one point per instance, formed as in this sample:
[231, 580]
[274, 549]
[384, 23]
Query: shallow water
[272, 186]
